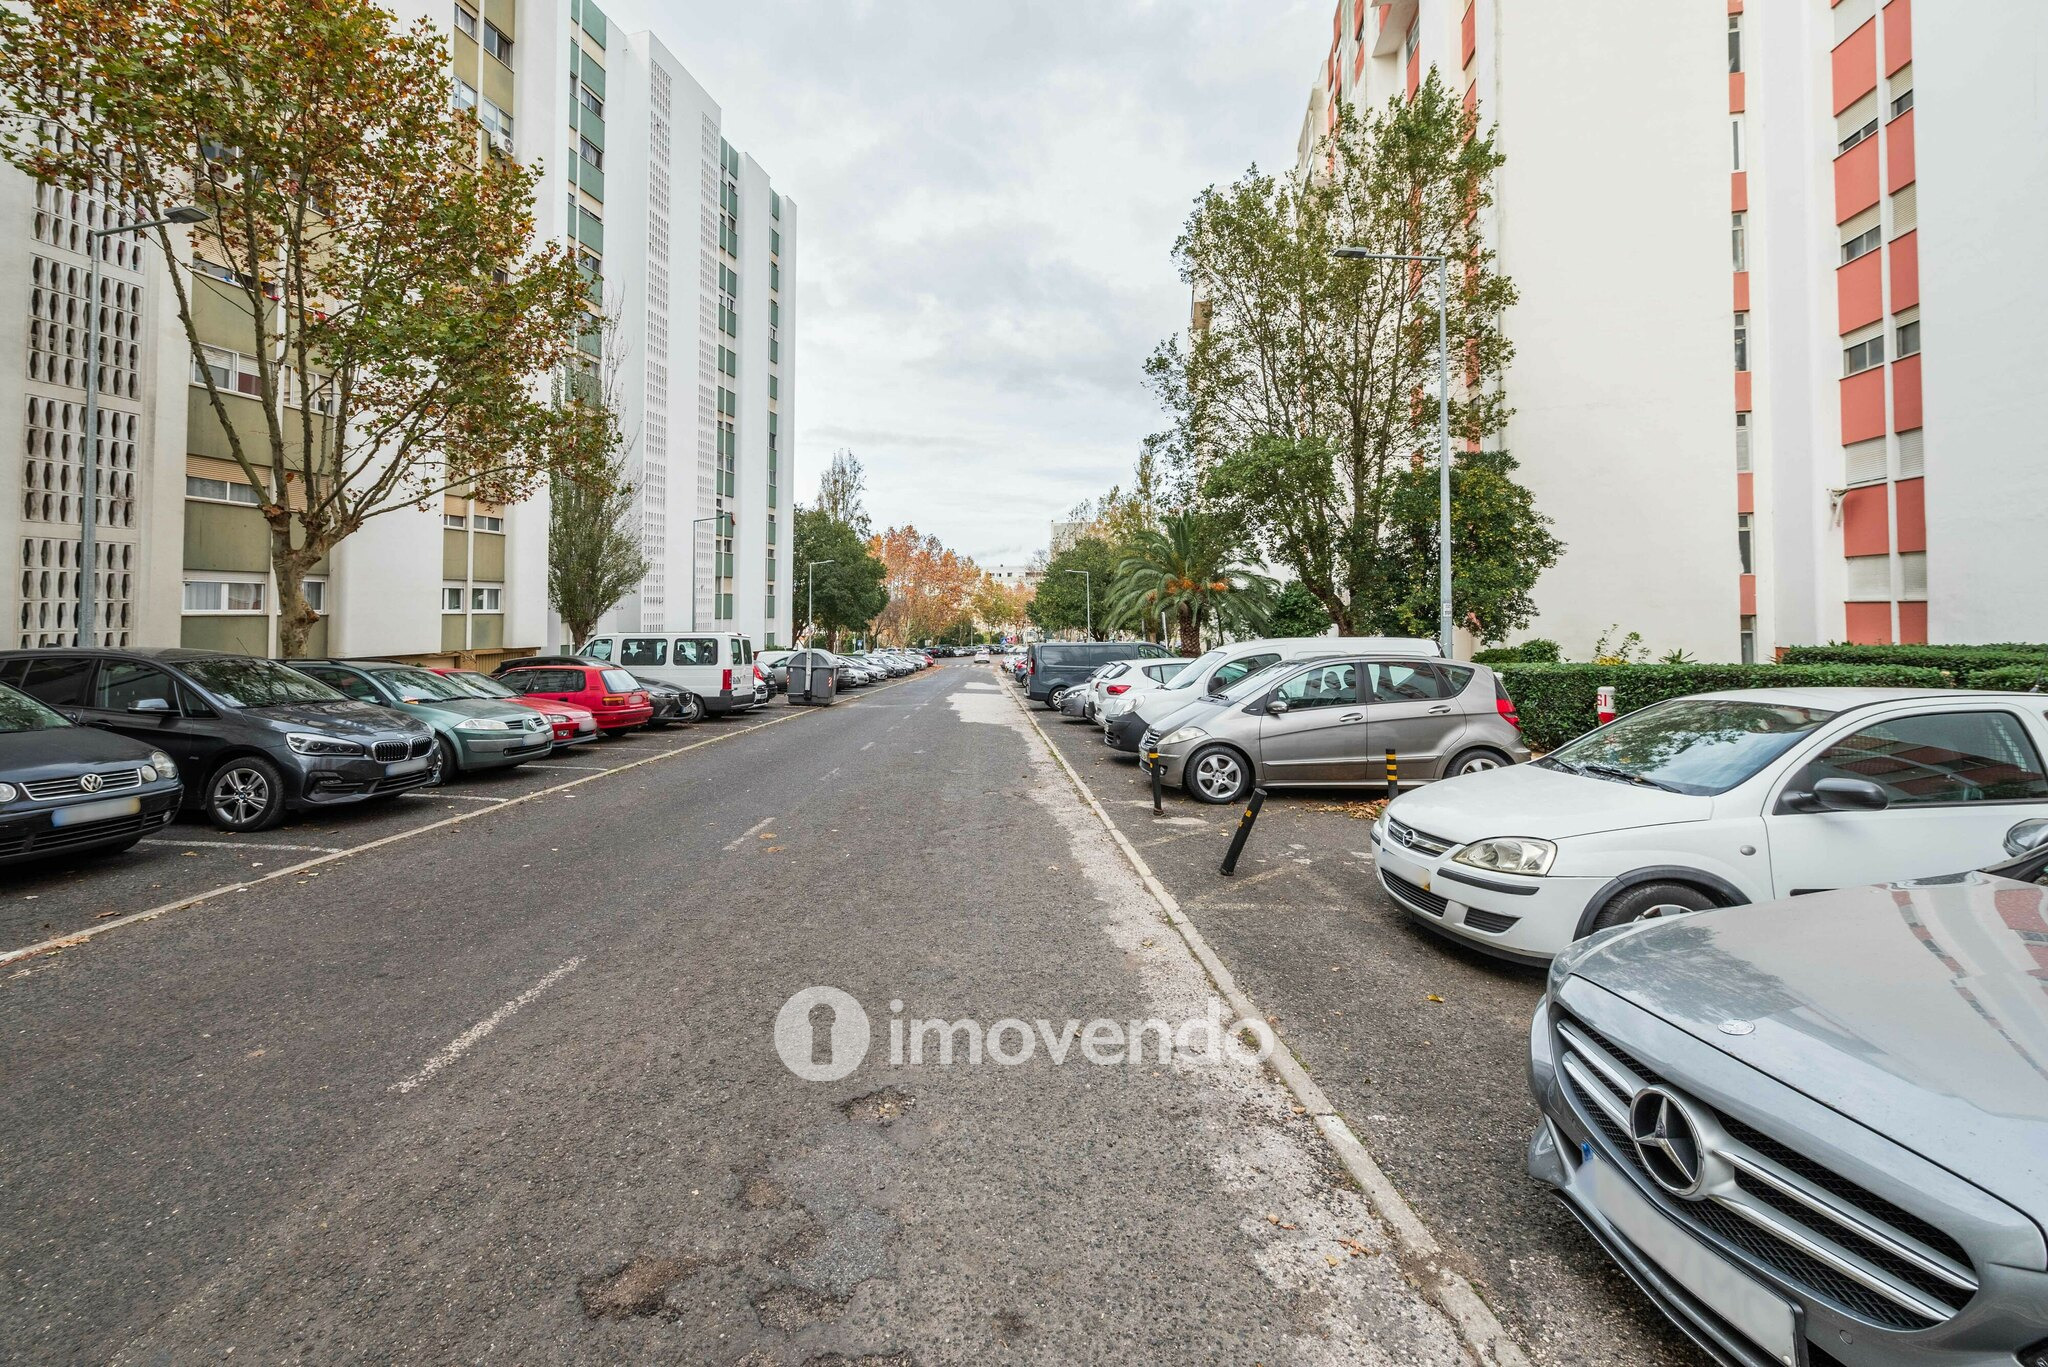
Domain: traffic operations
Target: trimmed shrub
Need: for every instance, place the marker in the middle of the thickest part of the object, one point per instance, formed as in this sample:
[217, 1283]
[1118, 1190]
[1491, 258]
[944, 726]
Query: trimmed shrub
[1533, 652]
[1559, 701]
[1959, 661]
[2012, 678]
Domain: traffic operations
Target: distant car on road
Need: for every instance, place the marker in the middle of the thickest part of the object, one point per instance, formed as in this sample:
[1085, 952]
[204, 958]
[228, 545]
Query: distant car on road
[471, 734]
[69, 789]
[1816, 1131]
[1716, 800]
[981, 656]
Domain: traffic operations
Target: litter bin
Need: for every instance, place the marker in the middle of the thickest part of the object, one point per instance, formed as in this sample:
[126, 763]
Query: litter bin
[812, 678]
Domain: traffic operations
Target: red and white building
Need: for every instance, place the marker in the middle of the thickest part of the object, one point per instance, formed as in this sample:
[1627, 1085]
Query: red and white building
[1675, 169]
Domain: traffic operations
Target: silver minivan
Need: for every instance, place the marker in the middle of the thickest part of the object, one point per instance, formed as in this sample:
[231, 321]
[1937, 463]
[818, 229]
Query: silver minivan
[1331, 722]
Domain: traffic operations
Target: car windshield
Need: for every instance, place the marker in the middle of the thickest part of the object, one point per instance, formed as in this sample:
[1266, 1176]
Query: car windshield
[479, 685]
[422, 684]
[1700, 746]
[244, 681]
[1258, 681]
[19, 712]
[1197, 669]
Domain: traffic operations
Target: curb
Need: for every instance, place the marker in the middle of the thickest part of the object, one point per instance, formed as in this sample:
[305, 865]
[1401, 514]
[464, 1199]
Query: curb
[1420, 1253]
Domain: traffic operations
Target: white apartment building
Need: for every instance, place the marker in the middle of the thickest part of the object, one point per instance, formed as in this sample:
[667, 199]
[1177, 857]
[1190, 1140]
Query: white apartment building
[1609, 219]
[710, 397]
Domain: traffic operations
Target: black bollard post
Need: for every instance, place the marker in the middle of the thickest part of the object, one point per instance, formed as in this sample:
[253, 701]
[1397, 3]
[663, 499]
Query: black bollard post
[1158, 788]
[1244, 831]
[1393, 777]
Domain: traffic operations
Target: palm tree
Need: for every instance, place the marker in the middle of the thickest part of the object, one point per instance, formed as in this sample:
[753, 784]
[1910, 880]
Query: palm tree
[1190, 565]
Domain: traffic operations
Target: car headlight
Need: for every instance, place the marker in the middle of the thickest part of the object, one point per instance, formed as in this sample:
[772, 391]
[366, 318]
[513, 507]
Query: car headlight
[1182, 736]
[163, 764]
[8, 792]
[484, 724]
[558, 718]
[305, 744]
[1508, 854]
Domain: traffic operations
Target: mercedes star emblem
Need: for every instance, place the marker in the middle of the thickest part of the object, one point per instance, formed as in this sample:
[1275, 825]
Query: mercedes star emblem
[1668, 1141]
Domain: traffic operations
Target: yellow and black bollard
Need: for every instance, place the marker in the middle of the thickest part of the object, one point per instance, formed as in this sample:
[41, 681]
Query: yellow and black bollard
[1244, 831]
[1393, 777]
[1158, 787]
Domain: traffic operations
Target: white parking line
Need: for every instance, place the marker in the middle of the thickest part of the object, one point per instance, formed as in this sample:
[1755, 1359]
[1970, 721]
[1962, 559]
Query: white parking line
[869, 746]
[454, 797]
[586, 768]
[763, 824]
[240, 845]
[476, 1034]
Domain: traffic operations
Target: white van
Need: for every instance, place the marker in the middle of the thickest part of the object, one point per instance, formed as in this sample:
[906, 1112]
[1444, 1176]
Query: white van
[718, 666]
[1225, 665]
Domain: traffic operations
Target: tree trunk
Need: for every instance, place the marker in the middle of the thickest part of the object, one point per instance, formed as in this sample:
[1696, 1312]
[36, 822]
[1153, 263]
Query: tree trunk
[1190, 631]
[290, 564]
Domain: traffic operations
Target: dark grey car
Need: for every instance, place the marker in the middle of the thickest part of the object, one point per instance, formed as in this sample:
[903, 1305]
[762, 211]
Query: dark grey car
[1816, 1130]
[1054, 667]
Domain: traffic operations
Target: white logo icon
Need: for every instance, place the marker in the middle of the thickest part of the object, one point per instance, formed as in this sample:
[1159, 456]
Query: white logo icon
[821, 1034]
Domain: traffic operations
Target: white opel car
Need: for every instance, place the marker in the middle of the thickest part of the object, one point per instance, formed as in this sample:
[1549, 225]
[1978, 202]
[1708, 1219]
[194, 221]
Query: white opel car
[1718, 800]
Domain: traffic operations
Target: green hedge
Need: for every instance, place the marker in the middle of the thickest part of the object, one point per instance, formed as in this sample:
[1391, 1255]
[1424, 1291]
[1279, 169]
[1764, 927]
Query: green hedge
[1559, 701]
[1538, 651]
[2012, 678]
[1963, 663]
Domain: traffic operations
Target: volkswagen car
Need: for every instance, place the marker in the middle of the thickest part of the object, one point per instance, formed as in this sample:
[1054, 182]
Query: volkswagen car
[68, 789]
[1815, 1132]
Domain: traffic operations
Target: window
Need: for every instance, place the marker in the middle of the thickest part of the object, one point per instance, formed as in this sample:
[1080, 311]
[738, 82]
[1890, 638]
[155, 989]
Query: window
[315, 592]
[643, 651]
[1741, 233]
[497, 44]
[485, 600]
[122, 685]
[1862, 356]
[1863, 243]
[465, 94]
[590, 152]
[1940, 758]
[454, 522]
[225, 596]
[496, 122]
[589, 99]
[1742, 460]
[221, 491]
[697, 650]
[346, 682]
[1745, 541]
[1906, 341]
[1863, 463]
[599, 649]
[1322, 686]
[1863, 132]
[1240, 669]
[232, 372]
[1742, 341]
[1749, 640]
[1735, 132]
[1400, 682]
[58, 682]
[451, 598]
[465, 21]
[486, 523]
[1734, 43]
[1867, 578]
[1900, 88]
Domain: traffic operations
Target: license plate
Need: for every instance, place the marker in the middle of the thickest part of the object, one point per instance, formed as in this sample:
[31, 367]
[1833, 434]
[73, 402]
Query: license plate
[1764, 1316]
[406, 766]
[85, 813]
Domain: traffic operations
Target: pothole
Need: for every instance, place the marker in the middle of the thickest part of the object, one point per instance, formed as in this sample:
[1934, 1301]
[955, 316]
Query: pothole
[788, 1309]
[880, 1108]
[635, 1290]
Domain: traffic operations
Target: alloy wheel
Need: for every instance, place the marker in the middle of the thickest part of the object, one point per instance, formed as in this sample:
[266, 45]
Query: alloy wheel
[1218, 775]
[241, 794]
[1479, 764]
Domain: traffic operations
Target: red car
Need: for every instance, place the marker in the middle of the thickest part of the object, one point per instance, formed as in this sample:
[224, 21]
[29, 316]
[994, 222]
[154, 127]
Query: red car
[613, 696]
[573, 725]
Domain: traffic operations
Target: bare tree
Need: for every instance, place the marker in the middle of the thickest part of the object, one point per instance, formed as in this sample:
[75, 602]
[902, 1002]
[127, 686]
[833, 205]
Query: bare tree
[595, 552]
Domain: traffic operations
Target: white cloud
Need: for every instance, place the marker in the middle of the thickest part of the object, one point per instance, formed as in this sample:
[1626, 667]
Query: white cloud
[989, 197]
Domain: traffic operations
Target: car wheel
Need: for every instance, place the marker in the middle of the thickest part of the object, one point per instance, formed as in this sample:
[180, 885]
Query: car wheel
[693, 708]
[1476, 762]
[1651, 902]
[442, 769]
[1218, 775]
[1057, 698]
[245, 794]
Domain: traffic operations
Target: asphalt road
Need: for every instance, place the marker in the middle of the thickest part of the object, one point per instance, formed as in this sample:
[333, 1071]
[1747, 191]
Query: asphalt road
[1420, 1044]
[508, 1088]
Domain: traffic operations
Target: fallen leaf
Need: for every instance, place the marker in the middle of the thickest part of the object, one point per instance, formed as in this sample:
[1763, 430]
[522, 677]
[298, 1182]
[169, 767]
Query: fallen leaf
[766, 835]
[1328, 1259]
[773, 848]
[1434, 997]
[1285, 1225]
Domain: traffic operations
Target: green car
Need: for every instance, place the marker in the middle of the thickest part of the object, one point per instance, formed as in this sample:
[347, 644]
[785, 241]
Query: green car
[470, 733]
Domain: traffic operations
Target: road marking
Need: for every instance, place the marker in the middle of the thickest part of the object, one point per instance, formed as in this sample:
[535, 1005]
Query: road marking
[586, 768]
[240, 845]
[763, 824]
[869, 746]
[450, 797]
[476, 1034]
[79, 937]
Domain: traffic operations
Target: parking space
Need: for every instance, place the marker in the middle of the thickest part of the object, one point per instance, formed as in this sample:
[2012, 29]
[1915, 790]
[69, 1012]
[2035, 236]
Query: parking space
[1421, 1044]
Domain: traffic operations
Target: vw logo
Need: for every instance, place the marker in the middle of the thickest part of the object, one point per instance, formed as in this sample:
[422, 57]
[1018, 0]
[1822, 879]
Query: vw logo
[1668, 1140]
[89, 783]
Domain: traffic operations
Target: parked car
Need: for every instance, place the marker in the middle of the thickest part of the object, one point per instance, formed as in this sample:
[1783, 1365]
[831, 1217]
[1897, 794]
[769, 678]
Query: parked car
[776, 663]
[252, 738]
[1331, 722]
[69, 789]
[981, 656]
[1116, 688]
[672, 705]
[1222, 667]
[856, 673]
[471, 734]
[1816, 1131]
[1053, 667]
[1716, 800]
[1074, 706]
[716, 666]
[571, 724]
[613, 696]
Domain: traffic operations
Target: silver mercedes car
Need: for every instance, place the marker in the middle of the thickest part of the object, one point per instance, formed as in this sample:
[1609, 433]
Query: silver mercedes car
[1815, 1131]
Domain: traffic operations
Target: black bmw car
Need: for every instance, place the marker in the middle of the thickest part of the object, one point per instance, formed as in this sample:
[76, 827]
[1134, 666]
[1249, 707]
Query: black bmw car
[67, 789]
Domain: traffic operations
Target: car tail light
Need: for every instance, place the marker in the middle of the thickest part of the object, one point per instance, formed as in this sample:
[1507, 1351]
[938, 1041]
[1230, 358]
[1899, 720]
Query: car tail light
[1505, 705]
[725, 681]
[615, 702]
[1115, 689]
[1030, 664]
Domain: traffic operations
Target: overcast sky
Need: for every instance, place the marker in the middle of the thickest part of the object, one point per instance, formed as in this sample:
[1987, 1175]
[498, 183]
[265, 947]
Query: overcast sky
[990, 190]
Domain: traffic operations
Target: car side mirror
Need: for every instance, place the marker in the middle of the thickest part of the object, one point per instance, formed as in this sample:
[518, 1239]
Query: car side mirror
[2027, 837]
[160, 707]
[1849, 795]
[1277, 706]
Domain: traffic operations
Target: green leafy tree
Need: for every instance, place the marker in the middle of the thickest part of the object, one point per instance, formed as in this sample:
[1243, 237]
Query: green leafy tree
[595, 554]
[1062, 600]
[1295, 612]
[1499, 545]
[846, 595]
[1306, 403]
[378, 262]
[1189, 568]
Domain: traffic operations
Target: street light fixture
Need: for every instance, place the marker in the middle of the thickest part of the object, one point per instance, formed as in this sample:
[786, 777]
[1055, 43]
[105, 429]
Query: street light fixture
[696, 523]
[88, 531]
[1443, 421]
[1088, 588]
[811, 597]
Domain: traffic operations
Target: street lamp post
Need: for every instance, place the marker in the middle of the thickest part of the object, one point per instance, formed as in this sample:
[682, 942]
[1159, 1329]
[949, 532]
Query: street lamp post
[811, 597]
[88, 531]
[1088, 590]
[694, 525]
[1443, 424]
